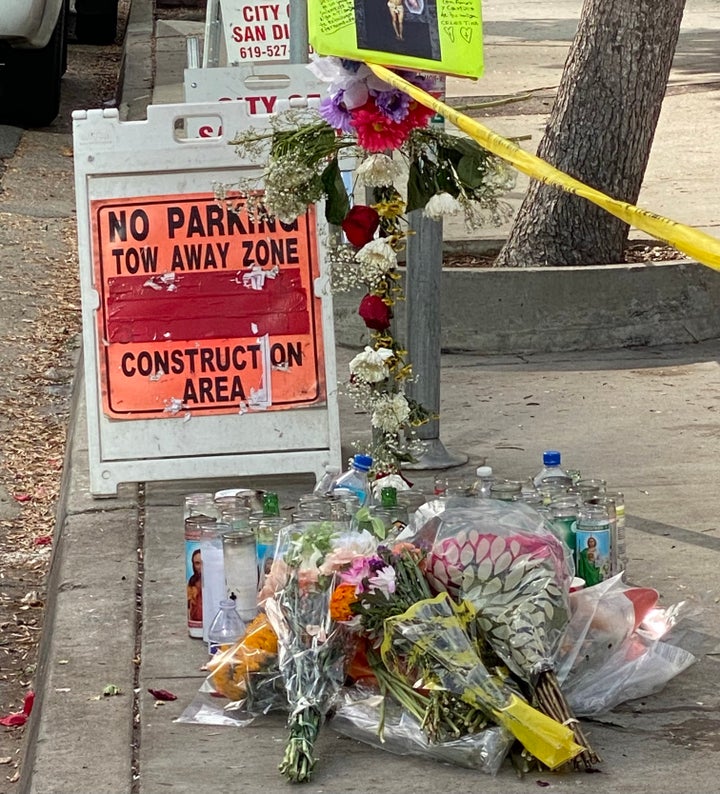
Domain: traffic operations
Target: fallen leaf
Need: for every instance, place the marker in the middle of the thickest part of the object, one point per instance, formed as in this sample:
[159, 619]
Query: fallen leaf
[6, 760]
[162, 694]
[111, 690]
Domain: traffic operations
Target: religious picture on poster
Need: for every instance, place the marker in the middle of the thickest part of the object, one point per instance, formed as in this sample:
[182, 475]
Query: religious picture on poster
[404, 27]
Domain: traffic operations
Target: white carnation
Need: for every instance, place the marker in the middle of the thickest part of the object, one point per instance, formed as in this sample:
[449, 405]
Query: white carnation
[442, 205]
[391, 413]
[377, 252]
[378, 170]
[371, 366]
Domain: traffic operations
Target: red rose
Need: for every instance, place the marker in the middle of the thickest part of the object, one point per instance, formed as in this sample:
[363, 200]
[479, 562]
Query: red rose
[360, 225]
[375, 312]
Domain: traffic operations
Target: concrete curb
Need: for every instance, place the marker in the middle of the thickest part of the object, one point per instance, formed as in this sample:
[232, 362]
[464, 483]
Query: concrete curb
[136, 68]
[550, 309]
[73, 670]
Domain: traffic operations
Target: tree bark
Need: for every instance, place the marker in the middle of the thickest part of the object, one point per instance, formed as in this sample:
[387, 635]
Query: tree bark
[600, 131]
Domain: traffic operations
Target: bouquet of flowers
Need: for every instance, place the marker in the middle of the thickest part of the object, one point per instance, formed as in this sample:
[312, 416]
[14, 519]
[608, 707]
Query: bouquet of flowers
[246, 671]
[312, 646]
[404, 163]
[502, 559]
[428, 640]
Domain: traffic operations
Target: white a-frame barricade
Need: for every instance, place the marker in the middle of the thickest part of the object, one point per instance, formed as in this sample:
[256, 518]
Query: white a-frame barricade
[207, 332]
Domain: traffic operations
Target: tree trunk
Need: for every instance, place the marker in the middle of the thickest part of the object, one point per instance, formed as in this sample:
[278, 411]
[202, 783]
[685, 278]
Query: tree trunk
[600, 131]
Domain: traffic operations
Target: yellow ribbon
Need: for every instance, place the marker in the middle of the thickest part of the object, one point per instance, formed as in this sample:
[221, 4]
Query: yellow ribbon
[697, 244]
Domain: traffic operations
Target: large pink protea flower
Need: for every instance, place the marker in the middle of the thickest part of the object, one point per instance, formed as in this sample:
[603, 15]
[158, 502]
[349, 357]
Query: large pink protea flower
[518, 584]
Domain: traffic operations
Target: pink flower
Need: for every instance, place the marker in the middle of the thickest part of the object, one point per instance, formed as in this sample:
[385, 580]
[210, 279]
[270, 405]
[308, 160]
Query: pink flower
[307, 579]
[360, 571]
[275, 579]
[376, 132]
[383, 580]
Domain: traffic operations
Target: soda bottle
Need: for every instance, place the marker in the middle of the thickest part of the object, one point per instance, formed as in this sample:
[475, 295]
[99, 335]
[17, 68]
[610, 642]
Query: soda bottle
[271, 504]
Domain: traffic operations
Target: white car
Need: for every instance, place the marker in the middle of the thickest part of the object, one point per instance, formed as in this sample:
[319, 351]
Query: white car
[33, 52]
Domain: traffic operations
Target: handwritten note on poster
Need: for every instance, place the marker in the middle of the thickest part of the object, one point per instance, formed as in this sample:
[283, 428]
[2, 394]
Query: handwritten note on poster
[428, 35]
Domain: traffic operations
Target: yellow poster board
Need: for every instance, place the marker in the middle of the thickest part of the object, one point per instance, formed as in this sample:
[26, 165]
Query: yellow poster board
[423, 35]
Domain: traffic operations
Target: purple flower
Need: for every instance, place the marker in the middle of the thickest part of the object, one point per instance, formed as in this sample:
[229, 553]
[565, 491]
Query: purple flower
[393, 104]
[334, 111]
[425, 81]
[376, 564]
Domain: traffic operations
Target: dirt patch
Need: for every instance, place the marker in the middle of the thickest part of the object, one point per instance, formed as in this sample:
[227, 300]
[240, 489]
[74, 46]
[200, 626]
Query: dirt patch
[40, 328]
[635, 253]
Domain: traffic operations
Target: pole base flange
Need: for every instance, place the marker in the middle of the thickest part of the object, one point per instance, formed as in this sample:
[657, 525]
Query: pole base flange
[436, 457]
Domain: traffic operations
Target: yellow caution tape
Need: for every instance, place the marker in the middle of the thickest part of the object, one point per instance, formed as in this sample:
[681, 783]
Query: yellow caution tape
[697, 244]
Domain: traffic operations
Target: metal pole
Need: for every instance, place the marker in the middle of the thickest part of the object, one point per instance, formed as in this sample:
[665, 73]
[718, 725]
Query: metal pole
[298, 31]
[422, 298]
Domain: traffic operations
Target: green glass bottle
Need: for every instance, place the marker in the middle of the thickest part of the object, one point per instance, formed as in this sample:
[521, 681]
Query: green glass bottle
[271, 504]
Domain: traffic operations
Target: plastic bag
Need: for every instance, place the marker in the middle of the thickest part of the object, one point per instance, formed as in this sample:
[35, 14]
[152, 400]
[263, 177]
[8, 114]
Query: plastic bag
[612, 649]
[244, 681]
[361, 711]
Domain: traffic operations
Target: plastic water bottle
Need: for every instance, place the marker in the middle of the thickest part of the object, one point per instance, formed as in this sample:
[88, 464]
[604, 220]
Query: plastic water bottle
[325, 484]
[552, 468]
[355, 480]
[226, 628]
[484, 482]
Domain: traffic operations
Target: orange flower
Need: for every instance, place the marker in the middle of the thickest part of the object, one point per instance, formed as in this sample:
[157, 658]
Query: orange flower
[256, 651]
[341, 602]
[260, 635]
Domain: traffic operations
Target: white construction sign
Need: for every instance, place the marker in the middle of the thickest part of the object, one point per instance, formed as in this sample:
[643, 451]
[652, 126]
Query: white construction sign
[258, 88]
[208, 334]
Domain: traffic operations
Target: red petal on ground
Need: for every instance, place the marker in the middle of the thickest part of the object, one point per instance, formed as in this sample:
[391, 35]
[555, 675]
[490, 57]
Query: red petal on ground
[42, 540]
[28, 702]
[15, 720]
[162, 694]
[22, 497]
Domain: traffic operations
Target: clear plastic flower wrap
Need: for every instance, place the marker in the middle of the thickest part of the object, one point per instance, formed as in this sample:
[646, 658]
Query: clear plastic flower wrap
[362, 713]
[504, 559]
[429, 644]
[312, 646]
[243, 681]
[311, 657]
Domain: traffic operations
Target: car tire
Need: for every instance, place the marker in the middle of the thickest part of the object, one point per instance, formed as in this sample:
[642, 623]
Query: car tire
[96, 22]
[31, 81]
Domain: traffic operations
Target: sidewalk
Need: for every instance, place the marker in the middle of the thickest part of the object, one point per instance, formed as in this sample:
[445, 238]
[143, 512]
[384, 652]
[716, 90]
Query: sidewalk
[645, 419]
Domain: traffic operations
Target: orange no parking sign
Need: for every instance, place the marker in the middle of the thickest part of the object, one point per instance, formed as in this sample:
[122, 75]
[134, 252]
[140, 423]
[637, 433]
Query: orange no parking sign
[203, 309]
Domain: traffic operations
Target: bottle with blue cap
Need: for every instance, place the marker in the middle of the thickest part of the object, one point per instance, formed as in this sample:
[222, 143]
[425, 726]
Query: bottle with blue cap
[552, 468]
[355, 479]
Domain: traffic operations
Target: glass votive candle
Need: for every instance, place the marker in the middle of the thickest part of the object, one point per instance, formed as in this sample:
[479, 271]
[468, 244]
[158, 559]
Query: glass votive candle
[241, 573]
